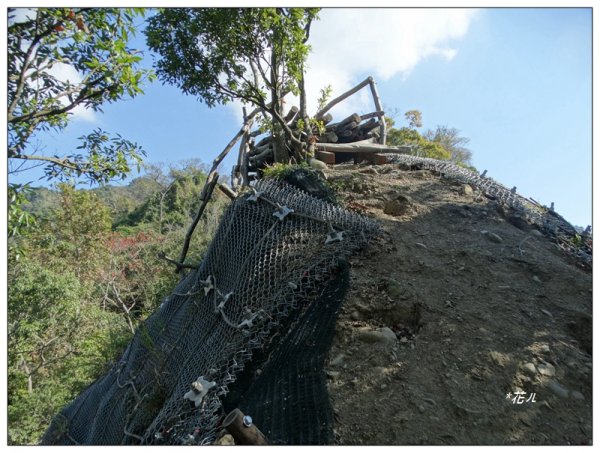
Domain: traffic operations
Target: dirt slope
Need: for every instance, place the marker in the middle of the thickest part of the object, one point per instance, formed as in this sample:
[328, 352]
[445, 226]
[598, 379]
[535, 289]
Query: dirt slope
[479, 309]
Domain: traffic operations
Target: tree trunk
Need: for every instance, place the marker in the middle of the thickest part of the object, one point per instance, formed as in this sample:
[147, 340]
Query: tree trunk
[280, 154]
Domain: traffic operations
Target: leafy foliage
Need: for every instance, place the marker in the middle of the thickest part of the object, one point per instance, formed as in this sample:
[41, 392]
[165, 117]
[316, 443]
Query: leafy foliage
[406, 136]
[63, 58]
[414, 118]
[451, 141]
[57, 345]
[443, 143]
[19, 219]
[255, 55]
[208, 52]
[83, 284]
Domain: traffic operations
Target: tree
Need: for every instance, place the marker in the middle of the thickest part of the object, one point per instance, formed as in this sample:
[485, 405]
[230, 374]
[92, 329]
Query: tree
[451, 141]
[255, 55]
[410, 136]
[414, 118]
[57, 344]
[77, 232]
[43, 43]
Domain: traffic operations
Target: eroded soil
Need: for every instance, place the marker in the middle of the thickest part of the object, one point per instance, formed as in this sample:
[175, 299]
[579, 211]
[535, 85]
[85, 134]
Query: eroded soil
[480, 309]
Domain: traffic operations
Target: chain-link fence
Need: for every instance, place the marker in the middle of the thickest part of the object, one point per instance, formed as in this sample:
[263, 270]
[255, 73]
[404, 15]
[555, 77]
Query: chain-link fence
[259, 290]
[548, 221]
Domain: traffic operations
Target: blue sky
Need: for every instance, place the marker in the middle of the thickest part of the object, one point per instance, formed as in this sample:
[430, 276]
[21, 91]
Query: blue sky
[517, 82]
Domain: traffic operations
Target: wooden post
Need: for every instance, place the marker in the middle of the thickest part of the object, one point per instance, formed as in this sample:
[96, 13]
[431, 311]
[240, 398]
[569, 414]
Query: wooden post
[379, 108]
[231, 194]
[243, 430]
[343, 96]
[238, 169]
[244, 167]
[210, 184]
[207, 191]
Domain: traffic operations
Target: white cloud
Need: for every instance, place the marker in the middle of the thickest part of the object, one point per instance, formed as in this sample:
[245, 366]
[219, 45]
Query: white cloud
[67, 73]
[63, 72]
[350, 44]
[21, 15]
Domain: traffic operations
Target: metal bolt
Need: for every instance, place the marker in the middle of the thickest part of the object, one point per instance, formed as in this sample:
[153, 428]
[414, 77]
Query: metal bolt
[247, 420]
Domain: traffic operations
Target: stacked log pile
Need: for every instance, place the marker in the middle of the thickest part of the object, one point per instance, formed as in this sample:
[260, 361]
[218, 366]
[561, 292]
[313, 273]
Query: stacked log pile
[354, 128]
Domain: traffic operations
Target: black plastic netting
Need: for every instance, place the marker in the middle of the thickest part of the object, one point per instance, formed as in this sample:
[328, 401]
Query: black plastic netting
[263, 299]
[284, 388]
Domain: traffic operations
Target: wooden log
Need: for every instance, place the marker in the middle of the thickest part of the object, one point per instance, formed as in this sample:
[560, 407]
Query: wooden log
[259, 149]
[292, 114]
[343, 96]
[373, 135]
[256, 133]
[325, 156]
[345, 134]
[209, 185]
[231, 194]
[244, 167]
[242, 429]
[328, 137]
[376, 114]
[237, 177]
[207, 191]
[361, 147]
[378, 106]
[327, 118]
[347, 127]
[346, 122]
[259, 160]
[369, 126]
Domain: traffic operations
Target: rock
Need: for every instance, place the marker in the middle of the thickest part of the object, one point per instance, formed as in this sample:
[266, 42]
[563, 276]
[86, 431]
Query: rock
[466, 189]
[383, 335]
[225, 439]
[530, 369]
[394, 288]
[492, 236]
[546, 312]
[338, 360]
[317, 164]
[547, 369]
[500, 358]
[370, 171]
[558, 389]
[421, 408]
[355, 315]
[544, 347]
[577, 395]
[398, 206]
[332, 374]
[536, 233]
[536, 279]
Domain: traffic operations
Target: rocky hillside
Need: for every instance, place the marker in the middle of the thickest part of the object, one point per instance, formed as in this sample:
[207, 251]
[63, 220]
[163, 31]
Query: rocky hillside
[460, 327]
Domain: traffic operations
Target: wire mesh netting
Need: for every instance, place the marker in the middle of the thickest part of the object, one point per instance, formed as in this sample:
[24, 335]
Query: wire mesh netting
[545, 219]
[264, 291]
